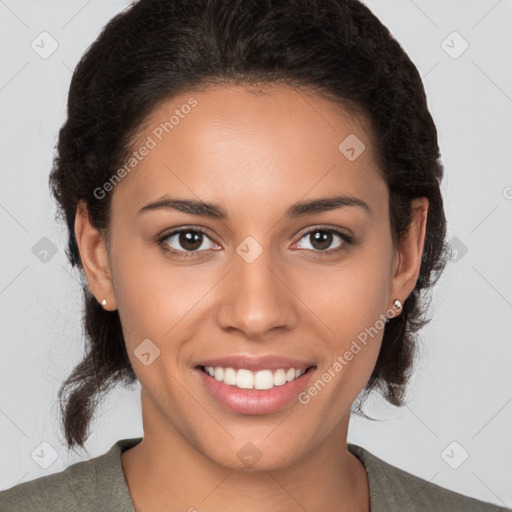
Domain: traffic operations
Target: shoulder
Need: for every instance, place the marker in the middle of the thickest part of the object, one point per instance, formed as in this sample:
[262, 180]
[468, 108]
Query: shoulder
[393, 489]
[95, 484]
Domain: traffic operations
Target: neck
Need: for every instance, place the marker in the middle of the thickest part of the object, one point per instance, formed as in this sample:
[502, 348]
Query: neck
[165, 470]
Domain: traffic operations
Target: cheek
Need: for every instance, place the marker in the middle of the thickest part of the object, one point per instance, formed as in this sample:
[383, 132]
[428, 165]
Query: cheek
[155, 298]
[139, 287]
[350, 297]
[352, 302]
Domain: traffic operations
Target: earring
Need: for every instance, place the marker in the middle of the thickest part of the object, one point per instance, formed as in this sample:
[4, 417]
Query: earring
[397, 305]
[104, 302]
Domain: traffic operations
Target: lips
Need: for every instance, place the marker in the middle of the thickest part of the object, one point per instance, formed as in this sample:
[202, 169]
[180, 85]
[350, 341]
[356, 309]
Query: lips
[248, 362]
[242, 382]
[254, 401]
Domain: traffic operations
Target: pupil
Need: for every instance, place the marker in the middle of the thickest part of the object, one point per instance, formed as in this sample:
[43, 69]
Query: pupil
[190, 240]
[323, 238]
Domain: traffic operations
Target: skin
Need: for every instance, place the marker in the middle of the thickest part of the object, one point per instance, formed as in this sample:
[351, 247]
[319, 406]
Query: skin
[255, 155]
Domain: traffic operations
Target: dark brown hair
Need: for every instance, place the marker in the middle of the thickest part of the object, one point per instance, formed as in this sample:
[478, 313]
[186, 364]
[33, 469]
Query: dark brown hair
[158, 48]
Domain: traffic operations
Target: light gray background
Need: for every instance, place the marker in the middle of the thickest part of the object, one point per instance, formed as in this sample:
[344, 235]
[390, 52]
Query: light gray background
[461, 391]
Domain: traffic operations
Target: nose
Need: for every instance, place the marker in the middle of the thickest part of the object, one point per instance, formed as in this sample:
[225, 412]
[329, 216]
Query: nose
[258, 297]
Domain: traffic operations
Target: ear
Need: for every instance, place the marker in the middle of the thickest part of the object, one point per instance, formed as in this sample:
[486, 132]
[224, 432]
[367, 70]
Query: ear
[94, 256]
[410, 253]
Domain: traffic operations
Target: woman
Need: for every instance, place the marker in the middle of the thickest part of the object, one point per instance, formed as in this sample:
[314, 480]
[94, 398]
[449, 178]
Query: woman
[252, 191]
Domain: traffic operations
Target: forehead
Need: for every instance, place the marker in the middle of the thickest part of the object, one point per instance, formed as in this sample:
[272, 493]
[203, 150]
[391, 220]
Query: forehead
[255, 148]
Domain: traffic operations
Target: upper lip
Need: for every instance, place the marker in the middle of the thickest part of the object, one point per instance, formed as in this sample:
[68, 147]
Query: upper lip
[269, 362]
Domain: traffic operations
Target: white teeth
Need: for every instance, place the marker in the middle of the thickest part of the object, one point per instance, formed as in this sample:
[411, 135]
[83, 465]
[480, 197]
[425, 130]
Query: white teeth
[290, 374]
[279, 377]
[229, 377]
[246, 379]
[263, 380]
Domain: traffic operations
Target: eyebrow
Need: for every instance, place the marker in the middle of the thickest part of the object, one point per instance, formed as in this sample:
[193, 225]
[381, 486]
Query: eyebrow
[214, 211]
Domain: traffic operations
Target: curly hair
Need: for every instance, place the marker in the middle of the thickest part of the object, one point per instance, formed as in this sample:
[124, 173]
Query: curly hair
[156, 49]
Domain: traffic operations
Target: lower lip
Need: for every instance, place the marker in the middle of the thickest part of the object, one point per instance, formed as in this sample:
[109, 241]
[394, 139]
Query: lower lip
[255, 401]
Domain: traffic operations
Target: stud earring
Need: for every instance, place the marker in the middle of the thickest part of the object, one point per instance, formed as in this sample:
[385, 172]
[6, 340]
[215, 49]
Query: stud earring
[397, 305]
[104, 302]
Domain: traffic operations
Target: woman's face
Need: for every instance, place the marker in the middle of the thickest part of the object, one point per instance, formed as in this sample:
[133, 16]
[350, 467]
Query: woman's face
[255, 284]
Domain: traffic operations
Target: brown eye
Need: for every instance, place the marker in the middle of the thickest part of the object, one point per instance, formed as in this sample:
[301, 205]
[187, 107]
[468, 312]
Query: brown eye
[321, 239]
[186, 241]
[190, 240]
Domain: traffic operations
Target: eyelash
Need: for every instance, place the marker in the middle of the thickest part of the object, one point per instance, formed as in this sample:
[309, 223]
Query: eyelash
[347, 240]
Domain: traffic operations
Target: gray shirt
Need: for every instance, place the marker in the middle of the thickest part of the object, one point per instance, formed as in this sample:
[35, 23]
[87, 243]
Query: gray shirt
[98, 484]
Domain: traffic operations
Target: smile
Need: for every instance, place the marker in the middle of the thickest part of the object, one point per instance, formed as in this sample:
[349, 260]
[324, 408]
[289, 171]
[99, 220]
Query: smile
[247, 379]
[253, 392]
